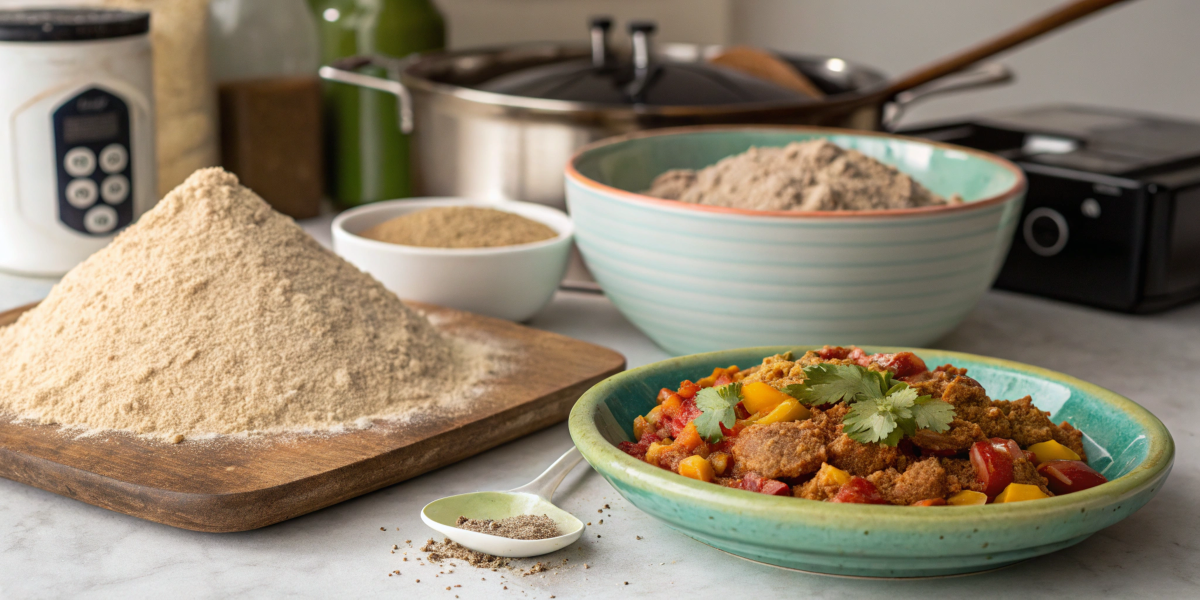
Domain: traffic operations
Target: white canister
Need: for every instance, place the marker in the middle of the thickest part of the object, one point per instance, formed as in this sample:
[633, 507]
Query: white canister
[77, 157]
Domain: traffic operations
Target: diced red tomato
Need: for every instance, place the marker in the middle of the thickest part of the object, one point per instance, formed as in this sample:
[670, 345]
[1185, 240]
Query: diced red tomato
[1009, 447]
[993, 468]
[833, 352]
[1069, 476]
[901, 364]
[724, 379]
[753, 482]
[859, 491]
[639, 449]
[930, 502]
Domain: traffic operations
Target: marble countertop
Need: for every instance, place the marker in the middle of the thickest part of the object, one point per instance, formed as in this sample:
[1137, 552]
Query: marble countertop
[51, 546]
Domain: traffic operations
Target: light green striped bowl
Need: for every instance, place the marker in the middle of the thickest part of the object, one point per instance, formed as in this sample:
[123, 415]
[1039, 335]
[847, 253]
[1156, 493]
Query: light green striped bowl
[1124, 441]
[699, 278]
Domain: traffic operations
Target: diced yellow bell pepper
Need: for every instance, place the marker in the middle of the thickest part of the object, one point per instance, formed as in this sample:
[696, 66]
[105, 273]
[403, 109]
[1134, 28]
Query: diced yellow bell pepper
[831, 475]
[1020, 492]
[670, 406]
[720, 462]
[967, 498]
[654, 417]
[790, 410]
[696, 467]
[655, 451]
[759, 397]
[1052, 450]
[640, 427]
[688, 439]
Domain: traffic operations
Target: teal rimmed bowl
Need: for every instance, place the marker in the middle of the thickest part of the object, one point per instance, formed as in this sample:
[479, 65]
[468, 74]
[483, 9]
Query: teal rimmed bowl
[1124, 441]
[700, 278]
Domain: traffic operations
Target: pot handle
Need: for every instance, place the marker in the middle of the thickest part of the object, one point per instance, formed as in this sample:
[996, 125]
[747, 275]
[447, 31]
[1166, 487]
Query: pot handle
[345, 70]
[981, 76]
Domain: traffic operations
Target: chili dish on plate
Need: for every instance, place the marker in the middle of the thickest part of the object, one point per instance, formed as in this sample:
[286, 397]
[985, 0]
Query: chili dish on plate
[841, 425]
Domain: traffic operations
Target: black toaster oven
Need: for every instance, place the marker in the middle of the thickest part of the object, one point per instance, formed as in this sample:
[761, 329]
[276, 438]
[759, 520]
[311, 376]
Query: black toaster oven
[1112, 216]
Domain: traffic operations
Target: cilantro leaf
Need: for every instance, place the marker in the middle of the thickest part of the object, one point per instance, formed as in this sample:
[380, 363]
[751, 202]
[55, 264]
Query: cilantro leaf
[718, 408]
[884, 420]
[932, 414]
[829, 384]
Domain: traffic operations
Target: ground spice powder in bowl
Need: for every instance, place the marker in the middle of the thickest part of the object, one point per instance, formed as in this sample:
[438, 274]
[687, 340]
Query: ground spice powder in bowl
[460, 227]
[802, 176]
[214, 314]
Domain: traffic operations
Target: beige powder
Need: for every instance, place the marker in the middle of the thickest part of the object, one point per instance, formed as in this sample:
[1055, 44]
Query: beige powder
[460, 227]
[811, 175]
[213, 314]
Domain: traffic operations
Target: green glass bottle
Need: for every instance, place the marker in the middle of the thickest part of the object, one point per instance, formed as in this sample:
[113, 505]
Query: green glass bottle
[368, 155]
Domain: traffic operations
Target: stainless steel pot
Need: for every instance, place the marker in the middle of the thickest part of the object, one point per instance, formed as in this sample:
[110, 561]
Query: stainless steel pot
[479, 144]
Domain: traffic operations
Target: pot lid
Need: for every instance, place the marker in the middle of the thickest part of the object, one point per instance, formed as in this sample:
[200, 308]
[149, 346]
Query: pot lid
[643, 79]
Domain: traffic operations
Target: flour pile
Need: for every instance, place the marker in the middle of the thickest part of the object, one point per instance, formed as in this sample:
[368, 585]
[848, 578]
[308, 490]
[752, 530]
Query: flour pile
[213, 314]
[811, 175]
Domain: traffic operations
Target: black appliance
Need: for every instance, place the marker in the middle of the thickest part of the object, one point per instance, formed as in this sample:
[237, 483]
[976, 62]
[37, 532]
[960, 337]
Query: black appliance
[1112, 216]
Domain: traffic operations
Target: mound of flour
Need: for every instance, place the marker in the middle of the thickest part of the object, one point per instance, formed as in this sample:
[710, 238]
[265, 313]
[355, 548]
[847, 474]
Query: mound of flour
[811, 175]
[213, 314]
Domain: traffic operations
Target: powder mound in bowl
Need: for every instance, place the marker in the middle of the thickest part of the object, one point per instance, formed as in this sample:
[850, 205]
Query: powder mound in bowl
[520, 527]
[802, 176]
[460, 227]
[214, 314]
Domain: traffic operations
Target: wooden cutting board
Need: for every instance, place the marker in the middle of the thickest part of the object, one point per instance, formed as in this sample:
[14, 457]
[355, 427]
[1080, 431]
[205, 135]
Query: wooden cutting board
[236, 485]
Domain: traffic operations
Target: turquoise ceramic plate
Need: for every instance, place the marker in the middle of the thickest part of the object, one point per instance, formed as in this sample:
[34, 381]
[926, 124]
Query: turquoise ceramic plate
[1124, 442]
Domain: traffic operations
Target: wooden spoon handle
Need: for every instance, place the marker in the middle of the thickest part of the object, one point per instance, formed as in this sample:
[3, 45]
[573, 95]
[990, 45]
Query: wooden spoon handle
[1043, 24]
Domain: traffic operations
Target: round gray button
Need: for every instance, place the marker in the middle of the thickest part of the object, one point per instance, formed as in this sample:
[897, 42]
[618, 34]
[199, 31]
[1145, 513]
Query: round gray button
[82, 193]
[1045, 231]
[79, 162]
[101, 219]
[114, 189]
[114, 158]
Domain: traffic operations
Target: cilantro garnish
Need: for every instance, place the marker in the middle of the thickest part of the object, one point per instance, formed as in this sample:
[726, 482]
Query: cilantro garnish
[881, 409]
[718, 406]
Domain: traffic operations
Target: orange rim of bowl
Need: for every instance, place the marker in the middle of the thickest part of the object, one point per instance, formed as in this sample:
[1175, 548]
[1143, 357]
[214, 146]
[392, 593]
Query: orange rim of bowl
[1017, 188]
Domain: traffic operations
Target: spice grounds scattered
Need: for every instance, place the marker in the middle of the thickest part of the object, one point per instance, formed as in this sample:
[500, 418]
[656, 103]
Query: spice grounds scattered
[214, 314]
[520, 527]
[447, 549]
[811, 175]
[460, 227]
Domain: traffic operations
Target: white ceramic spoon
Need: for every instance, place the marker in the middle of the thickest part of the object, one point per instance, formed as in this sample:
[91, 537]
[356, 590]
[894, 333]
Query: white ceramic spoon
[533, 498]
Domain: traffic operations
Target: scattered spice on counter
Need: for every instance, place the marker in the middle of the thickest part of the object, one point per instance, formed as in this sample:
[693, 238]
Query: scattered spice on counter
[810, 175]
[460, 227]
[538, 568]
[520, 527]
[447, 549]
[214, 314]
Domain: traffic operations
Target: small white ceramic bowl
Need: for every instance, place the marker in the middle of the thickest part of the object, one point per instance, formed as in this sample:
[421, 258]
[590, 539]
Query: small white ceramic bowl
[509, 282]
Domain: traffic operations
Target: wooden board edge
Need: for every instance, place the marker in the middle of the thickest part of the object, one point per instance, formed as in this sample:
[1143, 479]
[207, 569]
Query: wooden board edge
[227, 513]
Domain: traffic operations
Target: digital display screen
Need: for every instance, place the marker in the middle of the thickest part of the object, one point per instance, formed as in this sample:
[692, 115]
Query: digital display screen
[82, 129]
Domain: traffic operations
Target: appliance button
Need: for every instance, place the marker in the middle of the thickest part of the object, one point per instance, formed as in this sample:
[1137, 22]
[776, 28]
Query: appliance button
[114, 158]
[79, 162]
[82, 193]
[1090, 208]
[114, 189]
[101, 219]
[1045, 231]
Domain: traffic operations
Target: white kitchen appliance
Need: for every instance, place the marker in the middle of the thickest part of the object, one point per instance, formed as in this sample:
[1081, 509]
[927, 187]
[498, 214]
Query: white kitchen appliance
[76, 133]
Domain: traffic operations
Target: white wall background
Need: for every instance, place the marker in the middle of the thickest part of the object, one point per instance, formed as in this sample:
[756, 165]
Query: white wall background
[1143, 55]
[486, 22]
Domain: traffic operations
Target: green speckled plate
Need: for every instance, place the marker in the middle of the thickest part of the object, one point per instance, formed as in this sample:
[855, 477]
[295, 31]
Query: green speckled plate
[1124, 442]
